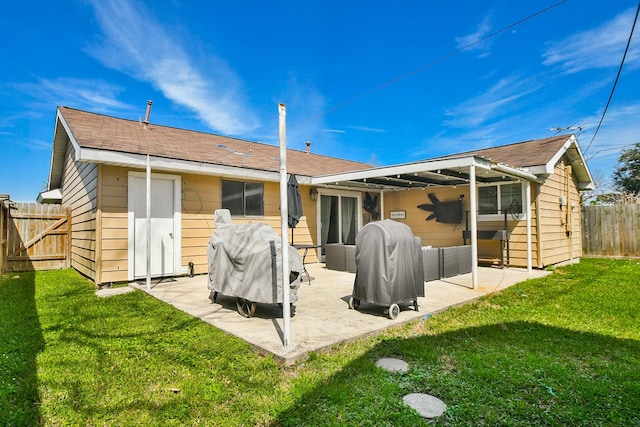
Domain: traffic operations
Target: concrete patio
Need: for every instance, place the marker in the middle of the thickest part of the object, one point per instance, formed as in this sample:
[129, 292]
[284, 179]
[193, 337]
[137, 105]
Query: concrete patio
[322, 315]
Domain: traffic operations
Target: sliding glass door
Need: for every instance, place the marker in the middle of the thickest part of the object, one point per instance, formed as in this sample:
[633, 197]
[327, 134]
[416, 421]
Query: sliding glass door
[339, 218]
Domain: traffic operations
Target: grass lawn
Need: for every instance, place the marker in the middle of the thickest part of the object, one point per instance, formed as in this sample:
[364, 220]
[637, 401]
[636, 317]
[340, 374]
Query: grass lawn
[561, 350]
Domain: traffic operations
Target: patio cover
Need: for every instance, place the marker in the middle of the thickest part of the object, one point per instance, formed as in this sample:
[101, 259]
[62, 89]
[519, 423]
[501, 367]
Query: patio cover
[465, 169]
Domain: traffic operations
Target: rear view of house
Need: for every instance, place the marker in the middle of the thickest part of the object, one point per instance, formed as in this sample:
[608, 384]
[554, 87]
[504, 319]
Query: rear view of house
[529, 191]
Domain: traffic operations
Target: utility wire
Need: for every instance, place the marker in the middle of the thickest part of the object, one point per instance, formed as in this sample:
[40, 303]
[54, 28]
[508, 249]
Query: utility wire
[430, 64]
[613, 89]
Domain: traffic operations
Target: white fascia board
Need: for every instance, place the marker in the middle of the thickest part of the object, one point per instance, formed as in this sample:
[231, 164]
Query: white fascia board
[549, 168]
[74, 142]
[174, 165]
[394, 170]
[59, 148]
[551, 164]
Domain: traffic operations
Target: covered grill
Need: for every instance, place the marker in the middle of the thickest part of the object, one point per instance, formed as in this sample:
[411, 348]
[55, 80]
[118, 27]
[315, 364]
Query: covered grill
[245, 261]
[389, 269]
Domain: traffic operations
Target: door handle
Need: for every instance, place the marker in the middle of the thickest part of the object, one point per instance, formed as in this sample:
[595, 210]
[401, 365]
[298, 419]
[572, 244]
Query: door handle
[171, 235]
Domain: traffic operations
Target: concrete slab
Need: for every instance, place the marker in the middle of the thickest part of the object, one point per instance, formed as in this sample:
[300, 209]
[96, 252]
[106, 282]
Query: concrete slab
[393, 365]
[322, 317]
[426, 405]
[108, 292]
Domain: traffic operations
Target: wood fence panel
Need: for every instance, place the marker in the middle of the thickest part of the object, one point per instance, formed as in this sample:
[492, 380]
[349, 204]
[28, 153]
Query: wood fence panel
[611, 230]
[37, 237]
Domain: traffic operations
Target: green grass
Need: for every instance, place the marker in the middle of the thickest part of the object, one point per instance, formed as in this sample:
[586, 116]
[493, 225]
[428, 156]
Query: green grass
[562, 350]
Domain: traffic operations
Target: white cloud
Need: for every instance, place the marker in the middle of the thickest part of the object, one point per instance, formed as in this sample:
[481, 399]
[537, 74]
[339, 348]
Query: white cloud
[600, 47]
[134, 43]
[473, 40]
[90, 94]
[367, 129]
[85, 92]
[498, 99]
[305, 119]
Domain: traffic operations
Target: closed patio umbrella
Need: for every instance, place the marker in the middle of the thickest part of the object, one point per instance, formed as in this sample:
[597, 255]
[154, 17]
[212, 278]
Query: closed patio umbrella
[294, 204]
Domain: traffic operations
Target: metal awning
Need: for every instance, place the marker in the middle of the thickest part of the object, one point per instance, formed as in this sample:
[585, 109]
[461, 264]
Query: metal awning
[436, 172]
[450, 171]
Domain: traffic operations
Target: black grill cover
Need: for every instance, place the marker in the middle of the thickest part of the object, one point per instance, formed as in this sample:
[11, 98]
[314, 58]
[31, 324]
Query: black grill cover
[388, 264]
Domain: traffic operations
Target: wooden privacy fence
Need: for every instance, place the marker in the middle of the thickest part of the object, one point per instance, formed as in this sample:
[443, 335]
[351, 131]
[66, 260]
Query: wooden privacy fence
[611, 230]
[37, 237]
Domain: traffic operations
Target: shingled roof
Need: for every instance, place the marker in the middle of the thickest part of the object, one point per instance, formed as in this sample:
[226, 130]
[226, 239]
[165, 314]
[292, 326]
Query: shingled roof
[101, 132]
[101, 138]
[526, 154]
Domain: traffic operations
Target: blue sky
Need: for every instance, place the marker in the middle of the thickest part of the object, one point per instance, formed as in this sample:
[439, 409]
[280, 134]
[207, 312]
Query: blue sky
[345, 70]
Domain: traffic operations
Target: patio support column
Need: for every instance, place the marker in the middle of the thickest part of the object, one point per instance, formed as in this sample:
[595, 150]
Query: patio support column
[148, 222]
[527, 203]
[381, 204]
[473, 210]
[284, 213]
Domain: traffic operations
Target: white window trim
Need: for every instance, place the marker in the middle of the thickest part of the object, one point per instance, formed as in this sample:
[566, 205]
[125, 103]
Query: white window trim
[500, 216]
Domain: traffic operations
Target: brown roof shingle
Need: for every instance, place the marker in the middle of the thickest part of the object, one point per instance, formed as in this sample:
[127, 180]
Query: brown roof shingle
[103, 132]
[522, 154]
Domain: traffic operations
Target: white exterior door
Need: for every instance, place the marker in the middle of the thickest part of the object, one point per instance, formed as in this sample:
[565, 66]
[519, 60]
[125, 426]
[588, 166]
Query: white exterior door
[165, 231]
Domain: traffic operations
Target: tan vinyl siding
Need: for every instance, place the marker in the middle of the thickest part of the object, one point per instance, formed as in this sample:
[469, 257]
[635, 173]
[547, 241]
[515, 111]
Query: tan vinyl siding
[432, 233]
[79, 193]
[201, 196]
[200, 199]
[436, 234]
[560, 226]
[114, 232]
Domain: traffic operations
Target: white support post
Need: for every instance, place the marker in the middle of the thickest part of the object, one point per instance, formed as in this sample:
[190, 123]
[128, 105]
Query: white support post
[527, 203]
[148, 223]
[284, 213]
[473, 213]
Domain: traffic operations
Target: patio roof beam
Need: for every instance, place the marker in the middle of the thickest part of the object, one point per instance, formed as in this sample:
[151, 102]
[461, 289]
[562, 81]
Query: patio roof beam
[467, 178]
[422, 179]
[384, 182]
[389, 171]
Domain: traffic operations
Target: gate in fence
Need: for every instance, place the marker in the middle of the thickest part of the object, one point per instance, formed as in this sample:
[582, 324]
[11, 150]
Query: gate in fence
[36, 237]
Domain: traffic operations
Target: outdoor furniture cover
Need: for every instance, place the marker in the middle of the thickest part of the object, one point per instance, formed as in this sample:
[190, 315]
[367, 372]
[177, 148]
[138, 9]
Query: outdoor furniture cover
[389, 266]
[245, 261]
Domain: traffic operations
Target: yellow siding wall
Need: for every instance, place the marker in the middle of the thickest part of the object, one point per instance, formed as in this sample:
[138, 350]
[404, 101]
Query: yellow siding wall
[113, 240]
[431, 232]
[200, 198]
[560, 226]
[437, 234]
[79, 193]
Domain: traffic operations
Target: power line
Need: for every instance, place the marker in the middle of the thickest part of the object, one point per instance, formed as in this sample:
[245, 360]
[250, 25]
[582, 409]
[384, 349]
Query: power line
[430, 64]
[613, 89]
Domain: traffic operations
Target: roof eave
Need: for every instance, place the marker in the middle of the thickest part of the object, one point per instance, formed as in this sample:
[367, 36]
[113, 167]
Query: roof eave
[59, 150]
[139, 161]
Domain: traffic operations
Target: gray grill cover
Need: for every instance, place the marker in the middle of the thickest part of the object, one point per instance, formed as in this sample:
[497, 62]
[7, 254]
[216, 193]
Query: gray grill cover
[245, 261]
[389, 264]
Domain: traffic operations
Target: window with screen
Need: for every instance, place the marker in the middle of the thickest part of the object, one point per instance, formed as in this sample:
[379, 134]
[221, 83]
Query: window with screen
[496, 199]
[243, 198]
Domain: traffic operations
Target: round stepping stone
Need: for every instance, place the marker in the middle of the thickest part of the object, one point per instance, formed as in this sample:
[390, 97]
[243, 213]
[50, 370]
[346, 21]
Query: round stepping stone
[426, 405]
[393, 365]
